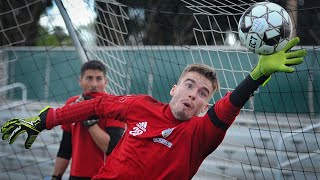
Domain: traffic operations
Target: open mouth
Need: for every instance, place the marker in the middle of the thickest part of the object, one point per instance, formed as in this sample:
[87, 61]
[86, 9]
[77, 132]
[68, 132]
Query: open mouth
[187, 105]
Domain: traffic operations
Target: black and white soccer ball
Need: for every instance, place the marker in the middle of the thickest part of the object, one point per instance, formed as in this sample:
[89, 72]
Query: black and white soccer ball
[265, 28]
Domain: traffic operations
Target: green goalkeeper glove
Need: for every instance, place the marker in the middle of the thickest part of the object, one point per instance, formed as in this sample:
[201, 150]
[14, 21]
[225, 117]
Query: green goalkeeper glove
[33, 126]
[279, 61]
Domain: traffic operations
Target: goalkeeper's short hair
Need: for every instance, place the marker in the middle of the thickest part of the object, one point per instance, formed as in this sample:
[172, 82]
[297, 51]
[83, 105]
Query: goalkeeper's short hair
[204, 70]
[94, 65]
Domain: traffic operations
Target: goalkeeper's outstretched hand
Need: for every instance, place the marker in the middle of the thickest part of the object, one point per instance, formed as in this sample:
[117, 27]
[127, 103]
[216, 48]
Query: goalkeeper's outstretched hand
[280, 61]
[33, 126]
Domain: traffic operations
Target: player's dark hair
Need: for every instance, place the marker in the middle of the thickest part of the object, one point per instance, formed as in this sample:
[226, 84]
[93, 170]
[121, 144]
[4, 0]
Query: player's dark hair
[204, 70]
[94, 65]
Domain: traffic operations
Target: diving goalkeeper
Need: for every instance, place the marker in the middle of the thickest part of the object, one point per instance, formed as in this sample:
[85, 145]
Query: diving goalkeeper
[163, 141]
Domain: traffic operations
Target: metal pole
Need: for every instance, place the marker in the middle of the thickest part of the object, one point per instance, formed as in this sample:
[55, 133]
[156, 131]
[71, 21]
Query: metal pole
[72, 32]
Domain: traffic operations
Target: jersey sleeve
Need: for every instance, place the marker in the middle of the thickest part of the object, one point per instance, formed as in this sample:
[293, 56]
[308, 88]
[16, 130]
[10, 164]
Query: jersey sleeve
[67, 127]
[212, 127]
[107, 106]
[222, 114]
[209, 130]
[206, 137]
[65, 149]
[115, 123]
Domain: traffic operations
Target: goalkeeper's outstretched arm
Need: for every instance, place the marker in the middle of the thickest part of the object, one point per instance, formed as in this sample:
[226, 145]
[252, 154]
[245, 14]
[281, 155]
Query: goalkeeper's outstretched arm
[267, 65]
[49, 117]
[261, 74]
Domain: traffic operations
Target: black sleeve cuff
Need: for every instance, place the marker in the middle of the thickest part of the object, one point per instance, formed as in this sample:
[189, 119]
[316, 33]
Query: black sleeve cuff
[245, 89]
[216, 121]
[65, 149]
[115, 134]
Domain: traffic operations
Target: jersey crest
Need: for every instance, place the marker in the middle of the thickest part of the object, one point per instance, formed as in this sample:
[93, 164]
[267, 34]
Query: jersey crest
[165, 133]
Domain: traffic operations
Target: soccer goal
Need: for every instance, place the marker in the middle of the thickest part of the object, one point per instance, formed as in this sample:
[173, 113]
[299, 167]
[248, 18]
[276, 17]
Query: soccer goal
[145, 46]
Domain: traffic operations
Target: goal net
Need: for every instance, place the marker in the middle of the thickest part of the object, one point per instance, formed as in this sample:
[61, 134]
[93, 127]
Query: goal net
[145, 46]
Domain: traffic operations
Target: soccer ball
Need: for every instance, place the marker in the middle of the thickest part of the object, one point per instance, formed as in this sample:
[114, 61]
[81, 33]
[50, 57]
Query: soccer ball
[265, 28]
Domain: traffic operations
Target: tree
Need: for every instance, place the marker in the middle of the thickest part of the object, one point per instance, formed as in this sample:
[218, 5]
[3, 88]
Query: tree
[166, 22]
[19, 20]
[57, 38]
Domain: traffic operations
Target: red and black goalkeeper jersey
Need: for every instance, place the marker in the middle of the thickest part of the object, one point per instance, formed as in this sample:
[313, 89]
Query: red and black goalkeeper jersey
[87, 157]
[156, 145]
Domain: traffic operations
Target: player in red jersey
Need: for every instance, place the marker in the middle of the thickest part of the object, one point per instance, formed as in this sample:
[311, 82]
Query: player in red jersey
[164, 141]
[96, 137]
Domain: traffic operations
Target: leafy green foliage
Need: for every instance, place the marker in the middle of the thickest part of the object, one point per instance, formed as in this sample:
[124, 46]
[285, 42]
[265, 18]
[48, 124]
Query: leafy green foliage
[55, 38]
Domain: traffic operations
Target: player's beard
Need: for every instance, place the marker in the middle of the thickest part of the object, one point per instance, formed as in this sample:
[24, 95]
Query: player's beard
[181, 115]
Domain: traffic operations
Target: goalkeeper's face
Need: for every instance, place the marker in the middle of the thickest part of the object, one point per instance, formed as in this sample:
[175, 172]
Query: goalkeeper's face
[93, 81]
[190, 96]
